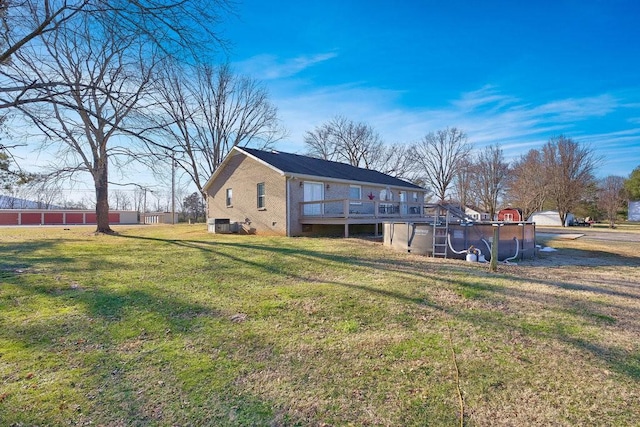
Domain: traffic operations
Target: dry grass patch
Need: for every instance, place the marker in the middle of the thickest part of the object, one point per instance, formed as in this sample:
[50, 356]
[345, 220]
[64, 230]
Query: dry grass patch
[172, 325]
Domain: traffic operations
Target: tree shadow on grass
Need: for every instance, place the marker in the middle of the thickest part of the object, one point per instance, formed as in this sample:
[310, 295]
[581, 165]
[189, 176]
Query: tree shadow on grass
[113, 306]
[574, 306]
[394, 265]
[111, 334]
[18, 257]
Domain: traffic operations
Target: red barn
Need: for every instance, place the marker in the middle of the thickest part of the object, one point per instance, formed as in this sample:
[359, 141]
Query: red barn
[510, 215]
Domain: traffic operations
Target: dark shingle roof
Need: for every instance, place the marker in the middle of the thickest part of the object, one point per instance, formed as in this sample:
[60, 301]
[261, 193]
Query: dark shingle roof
[303, 165]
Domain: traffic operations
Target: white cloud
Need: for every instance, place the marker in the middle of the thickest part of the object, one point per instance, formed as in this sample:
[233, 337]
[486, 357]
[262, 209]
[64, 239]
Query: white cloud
[271, 67]
[487, 96]
[486, 115]
[578, 108]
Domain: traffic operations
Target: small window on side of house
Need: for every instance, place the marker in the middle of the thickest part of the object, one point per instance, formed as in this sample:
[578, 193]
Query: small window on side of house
[414, 197]
[261, 196]
[229, 197]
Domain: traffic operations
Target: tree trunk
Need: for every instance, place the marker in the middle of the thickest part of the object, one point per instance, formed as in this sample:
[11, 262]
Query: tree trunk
[563, 218]
[102, 197]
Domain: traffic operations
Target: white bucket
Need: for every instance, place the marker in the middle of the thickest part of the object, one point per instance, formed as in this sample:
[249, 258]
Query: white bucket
[472, 258]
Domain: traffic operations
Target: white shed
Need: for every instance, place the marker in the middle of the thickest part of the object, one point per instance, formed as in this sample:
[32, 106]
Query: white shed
[550, 218]
[634, 211]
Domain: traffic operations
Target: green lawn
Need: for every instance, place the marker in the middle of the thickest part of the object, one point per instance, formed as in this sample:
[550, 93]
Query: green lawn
[175, 326]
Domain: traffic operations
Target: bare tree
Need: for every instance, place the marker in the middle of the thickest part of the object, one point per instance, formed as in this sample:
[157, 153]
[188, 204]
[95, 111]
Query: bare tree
[106, 80]
[320, 143]
[611, 197]
[23, 21]
[93, 76]
[394, 160]
[491, 173]
[45, 191]
[158, 205]
[439, 157]
[206, 116]
[464, 184]
[346, 141]
[176, 28]
[569, 169]
[120, 200]
[138, 199]
[527, 183]
[357, 144]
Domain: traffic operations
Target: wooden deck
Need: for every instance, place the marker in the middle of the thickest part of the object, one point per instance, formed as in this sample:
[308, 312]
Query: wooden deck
[347, 211]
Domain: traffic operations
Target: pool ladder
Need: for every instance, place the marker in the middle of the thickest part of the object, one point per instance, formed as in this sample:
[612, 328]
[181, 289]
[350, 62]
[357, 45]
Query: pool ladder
[440, 232]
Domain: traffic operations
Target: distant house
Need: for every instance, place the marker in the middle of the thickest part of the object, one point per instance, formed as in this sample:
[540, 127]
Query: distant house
[550, 218]
[476, 213]
[634, 211]
[510, 215]
[271, 192]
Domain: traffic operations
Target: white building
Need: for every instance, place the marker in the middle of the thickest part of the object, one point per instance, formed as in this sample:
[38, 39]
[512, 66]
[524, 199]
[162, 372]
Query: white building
[550, 218]
[634, 211]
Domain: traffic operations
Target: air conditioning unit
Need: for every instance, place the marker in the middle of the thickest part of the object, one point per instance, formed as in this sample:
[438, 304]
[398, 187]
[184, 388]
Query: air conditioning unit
[219, 225]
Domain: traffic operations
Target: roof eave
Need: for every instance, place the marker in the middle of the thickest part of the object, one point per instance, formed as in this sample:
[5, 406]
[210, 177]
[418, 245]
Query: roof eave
[226, 160]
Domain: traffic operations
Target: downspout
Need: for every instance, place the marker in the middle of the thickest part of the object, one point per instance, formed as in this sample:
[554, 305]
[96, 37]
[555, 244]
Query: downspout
[287, 197]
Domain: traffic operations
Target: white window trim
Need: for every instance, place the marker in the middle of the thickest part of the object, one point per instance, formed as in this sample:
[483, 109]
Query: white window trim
[263, 196]
[229, 197]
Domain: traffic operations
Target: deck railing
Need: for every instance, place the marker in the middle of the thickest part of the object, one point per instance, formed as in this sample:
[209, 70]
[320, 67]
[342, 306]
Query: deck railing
[351, 208]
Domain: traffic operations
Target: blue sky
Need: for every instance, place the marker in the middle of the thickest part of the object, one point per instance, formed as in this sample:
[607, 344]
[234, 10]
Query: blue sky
[509, 72]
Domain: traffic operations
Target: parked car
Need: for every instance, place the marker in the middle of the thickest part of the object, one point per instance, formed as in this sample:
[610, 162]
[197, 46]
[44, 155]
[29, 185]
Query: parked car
[583, 222]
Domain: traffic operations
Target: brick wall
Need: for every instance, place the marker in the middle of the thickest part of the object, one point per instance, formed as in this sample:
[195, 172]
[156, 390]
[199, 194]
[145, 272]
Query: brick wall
[242, 175]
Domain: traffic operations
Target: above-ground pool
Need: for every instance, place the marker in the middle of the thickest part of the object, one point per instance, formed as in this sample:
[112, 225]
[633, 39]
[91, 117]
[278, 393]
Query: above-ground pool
[516, 240]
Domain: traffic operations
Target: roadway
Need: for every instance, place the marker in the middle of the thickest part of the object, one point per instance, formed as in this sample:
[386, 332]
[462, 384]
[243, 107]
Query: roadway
[593, 233]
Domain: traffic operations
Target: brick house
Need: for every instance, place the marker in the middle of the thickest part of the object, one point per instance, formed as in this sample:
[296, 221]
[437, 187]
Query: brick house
[270, 192]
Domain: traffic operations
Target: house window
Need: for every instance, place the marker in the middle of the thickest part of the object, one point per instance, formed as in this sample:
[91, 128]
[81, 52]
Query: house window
[229, 197]
[355, 193]
[414, 197]
[508, 217]
[313, 192]
[261, 196]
